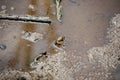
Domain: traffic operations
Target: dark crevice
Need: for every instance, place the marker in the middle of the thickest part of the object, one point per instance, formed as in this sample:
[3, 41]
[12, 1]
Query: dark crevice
[26, 20]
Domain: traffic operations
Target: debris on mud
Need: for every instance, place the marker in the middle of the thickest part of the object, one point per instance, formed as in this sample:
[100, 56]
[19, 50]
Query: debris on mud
[2, 47]
[3, 26]
[59, 10]
[3, 12]
[19, 75]
[32, 36]
[12, 8]
[31, 7]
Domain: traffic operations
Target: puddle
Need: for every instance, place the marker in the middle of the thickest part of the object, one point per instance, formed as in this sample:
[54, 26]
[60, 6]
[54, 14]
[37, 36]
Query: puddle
[84, 26]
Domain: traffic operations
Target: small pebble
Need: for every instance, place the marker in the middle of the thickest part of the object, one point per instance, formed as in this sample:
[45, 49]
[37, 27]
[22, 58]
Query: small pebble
[3, 7]
[12, 8]
[2, 47]
[31, 7]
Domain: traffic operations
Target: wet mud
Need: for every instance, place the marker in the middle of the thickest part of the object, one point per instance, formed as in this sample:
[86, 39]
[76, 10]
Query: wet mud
[86, 26]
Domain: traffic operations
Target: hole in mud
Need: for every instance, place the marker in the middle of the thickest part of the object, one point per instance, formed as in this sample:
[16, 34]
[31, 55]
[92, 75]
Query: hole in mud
[118, 58]
[21, 78]
[26, 19]
[3, 47]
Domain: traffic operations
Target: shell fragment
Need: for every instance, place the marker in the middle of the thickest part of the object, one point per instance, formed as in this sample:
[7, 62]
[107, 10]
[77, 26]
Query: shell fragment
[33, 37]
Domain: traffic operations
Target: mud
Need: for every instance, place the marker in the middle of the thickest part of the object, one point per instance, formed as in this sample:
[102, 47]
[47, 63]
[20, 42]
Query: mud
[90, 41]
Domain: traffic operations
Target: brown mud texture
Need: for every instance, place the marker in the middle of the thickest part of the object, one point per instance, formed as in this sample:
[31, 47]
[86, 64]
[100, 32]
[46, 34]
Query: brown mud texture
[102, 61]
[85, 55]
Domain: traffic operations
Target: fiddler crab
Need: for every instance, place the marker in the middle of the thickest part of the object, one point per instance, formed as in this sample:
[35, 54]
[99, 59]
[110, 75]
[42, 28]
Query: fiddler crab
[57, 44]
[41, 58]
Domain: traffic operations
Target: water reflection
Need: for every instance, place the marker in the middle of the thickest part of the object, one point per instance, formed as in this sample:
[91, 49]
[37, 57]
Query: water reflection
[24, 52]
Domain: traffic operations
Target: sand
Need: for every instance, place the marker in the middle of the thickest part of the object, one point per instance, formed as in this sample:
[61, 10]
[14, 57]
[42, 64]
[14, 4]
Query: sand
[108, 56]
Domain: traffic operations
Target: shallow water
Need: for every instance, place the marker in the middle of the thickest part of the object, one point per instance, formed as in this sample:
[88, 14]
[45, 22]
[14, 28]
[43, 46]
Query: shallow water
[84, 26]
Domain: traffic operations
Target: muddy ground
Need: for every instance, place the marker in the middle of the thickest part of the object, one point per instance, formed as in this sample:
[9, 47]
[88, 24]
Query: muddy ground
[91, 48]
